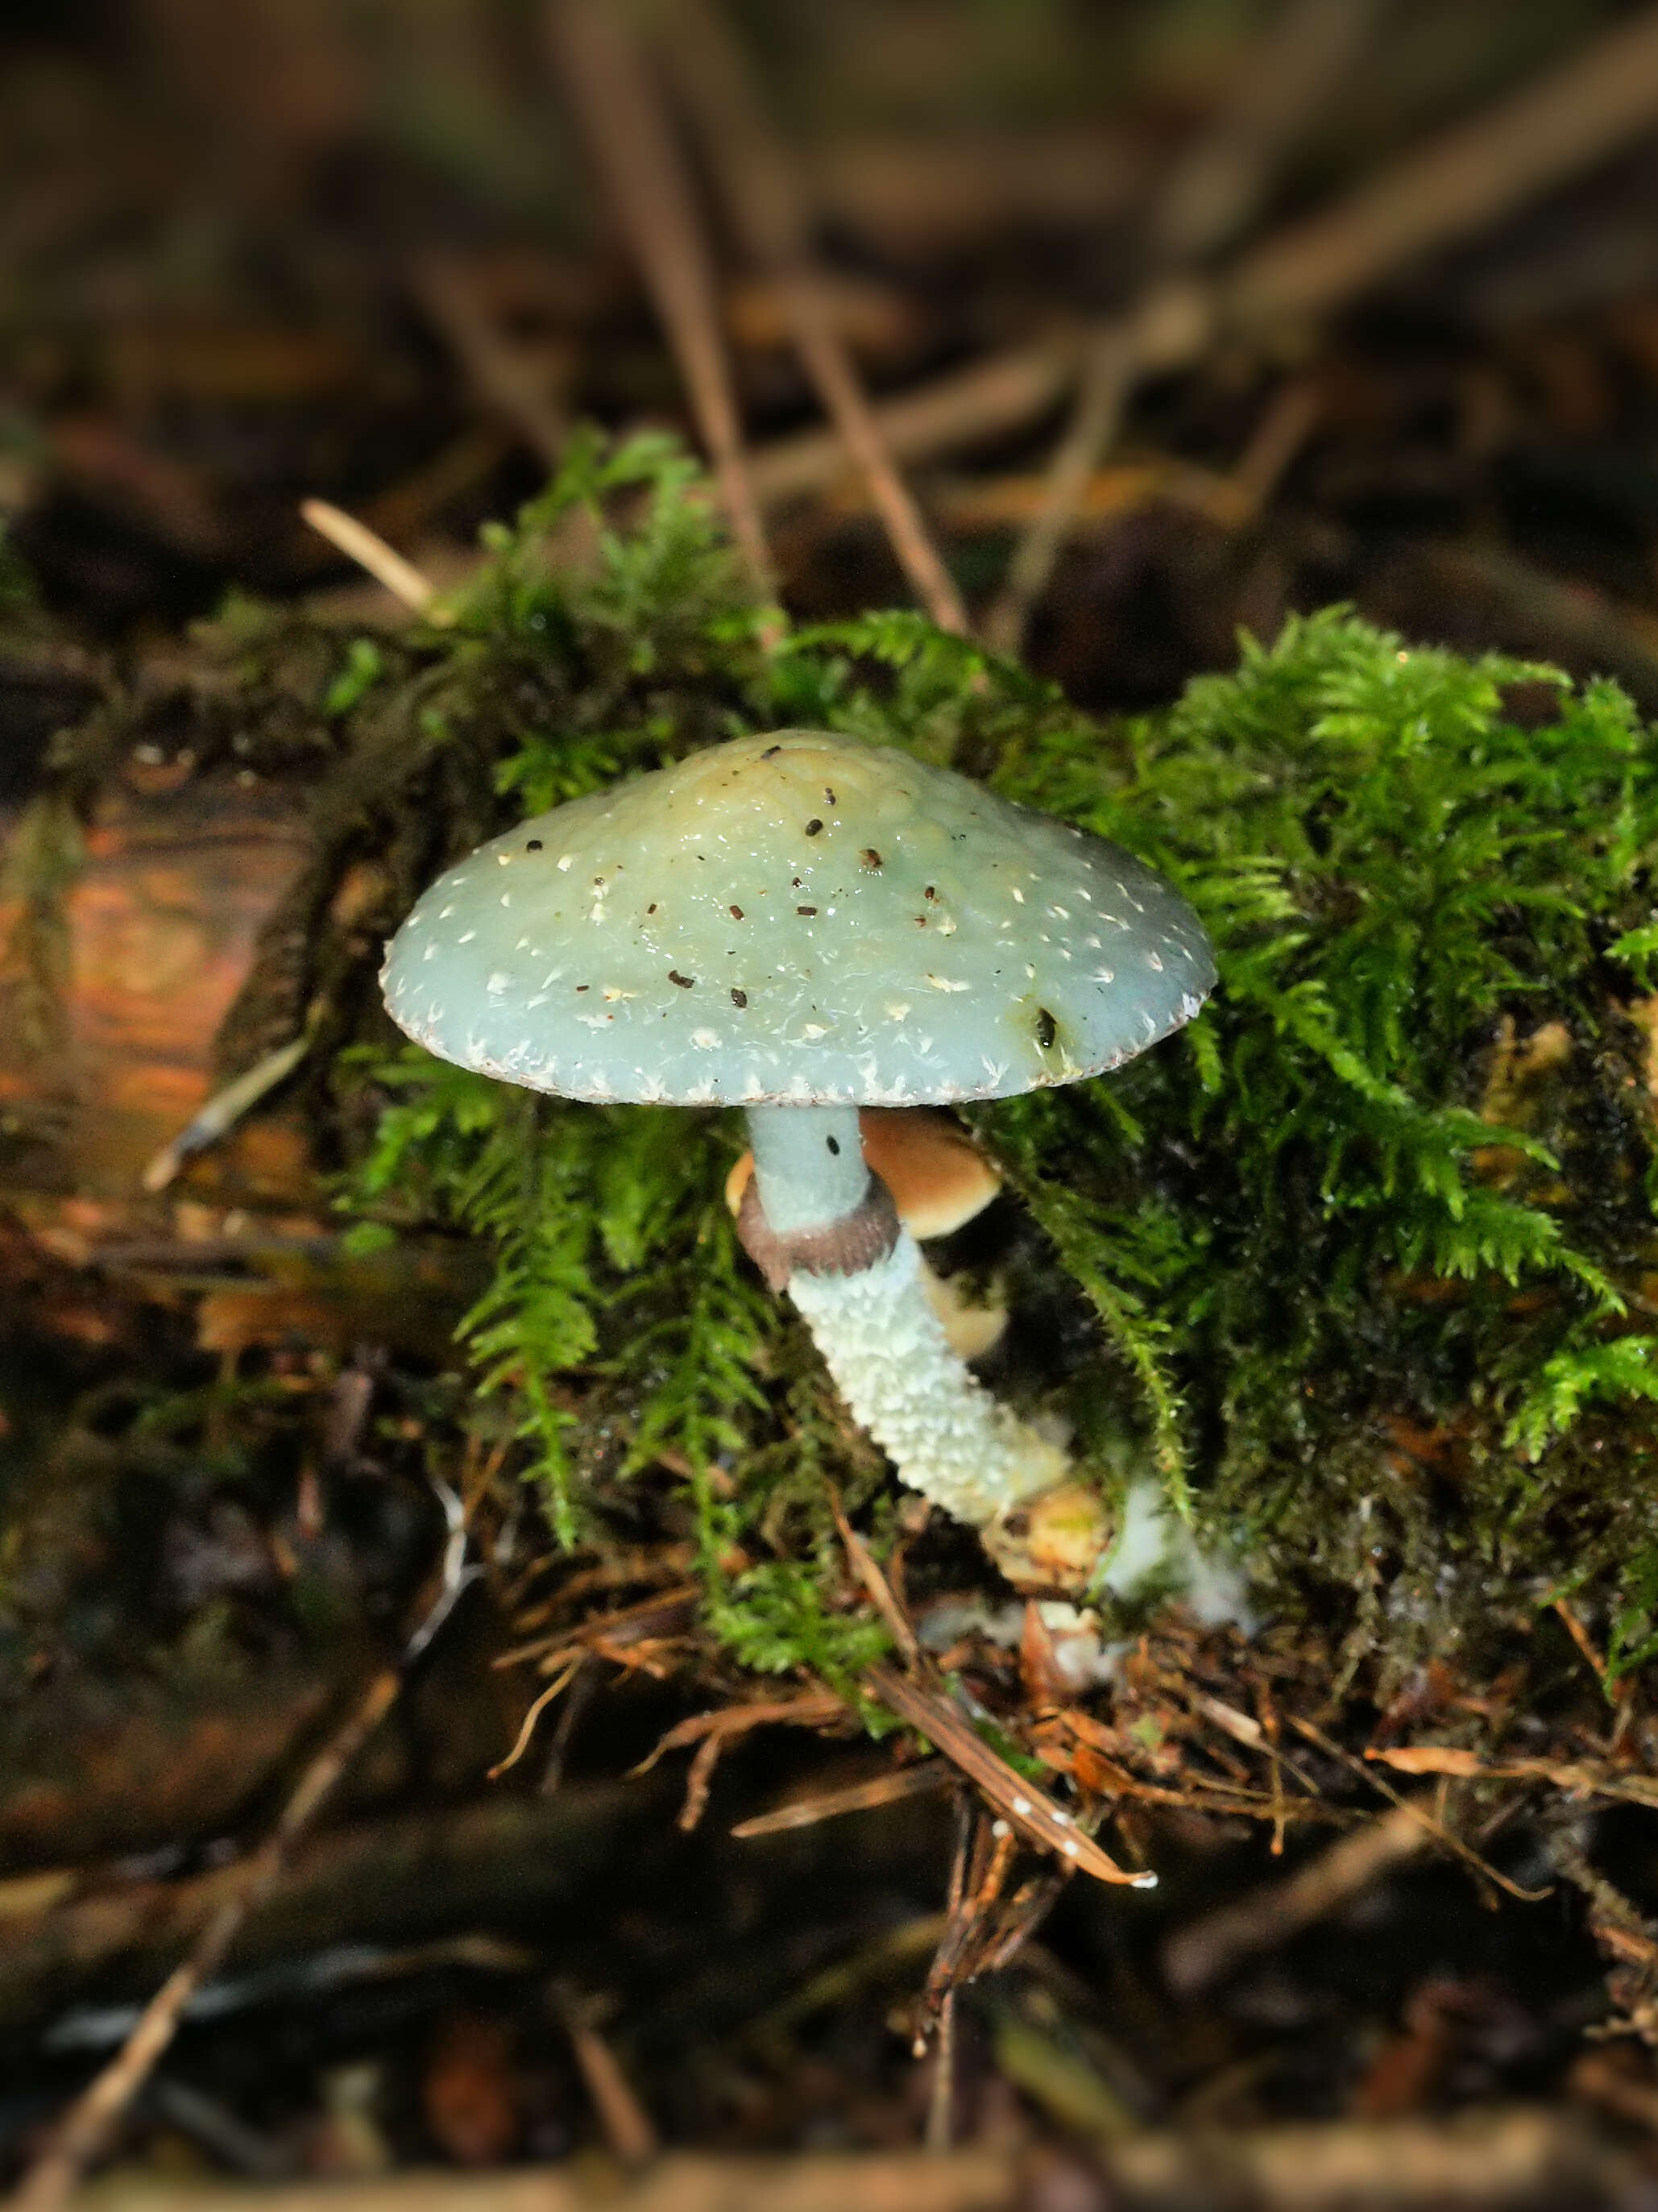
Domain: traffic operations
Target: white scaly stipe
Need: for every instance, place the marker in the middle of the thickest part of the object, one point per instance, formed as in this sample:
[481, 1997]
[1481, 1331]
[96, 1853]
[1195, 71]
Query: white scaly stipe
[945, 1434]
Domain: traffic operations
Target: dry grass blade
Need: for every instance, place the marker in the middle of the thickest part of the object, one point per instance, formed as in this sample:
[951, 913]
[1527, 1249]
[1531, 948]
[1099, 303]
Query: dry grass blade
[763, 198]
[1002, 392]
[1205, 1950]
[856, 1797]
[370, 551]
[632, 139]
[1109, 369]
[1028, 1810]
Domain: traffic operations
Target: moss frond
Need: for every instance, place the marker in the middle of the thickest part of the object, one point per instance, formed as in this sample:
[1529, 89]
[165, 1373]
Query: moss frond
[1396, 1180]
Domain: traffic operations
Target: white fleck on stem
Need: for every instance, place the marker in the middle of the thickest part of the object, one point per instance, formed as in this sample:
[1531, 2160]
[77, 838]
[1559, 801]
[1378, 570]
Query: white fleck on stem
[944, 1433]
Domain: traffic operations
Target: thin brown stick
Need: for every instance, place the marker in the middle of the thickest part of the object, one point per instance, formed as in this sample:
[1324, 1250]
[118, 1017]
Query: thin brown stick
[765, 201]
[1430, 1821]
[87, 2126]
[1205, 1951]
[1004, 391]
[938, 2005]
[928, 1775]
[1581, 1637]
[1217, 186]
[1585, 108]
[1506, 2158]
[556, 1688]
[1028, 1809]
[627, 2126]
[1580, 1776]
[866, 1567]
[583, 1686]
[504, 379]
[1573, 114]
[972, 2180]
[812, 1709]
[1212, 193]
[633, 142]
[370, 551]
[1109, 369]
[1289, 419]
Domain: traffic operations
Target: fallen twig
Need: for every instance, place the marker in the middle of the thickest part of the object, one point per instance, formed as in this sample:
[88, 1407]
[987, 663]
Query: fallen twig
[1029, 1810]
[633, 142]
[763, 199]
[89, 2121]
[508, 384]
[1205, 1951]
[1572, 115]
[938, 1999]
[1431, 1822]
[1515, 2157]
[820, 2181]
[1590, 1778]
[370, 551]
[1211, 194]
[347, 1888]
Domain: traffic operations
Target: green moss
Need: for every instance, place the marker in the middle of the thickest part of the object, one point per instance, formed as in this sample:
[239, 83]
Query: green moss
[773, 1619]
[1368, 1264]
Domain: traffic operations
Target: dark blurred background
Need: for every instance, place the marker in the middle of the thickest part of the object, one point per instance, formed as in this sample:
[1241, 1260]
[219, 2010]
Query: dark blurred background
[362, 251]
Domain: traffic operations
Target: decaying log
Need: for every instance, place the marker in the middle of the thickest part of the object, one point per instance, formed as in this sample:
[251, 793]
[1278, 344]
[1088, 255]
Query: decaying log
[177, 876]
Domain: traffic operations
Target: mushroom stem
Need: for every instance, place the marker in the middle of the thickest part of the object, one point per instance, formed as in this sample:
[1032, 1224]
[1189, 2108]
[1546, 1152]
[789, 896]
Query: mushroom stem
[822, 1224]
[808, 1164]
[945, 1434]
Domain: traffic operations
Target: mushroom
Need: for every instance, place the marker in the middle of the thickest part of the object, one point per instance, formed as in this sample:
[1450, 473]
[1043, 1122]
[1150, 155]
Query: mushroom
[939, 1180]
[801, 924]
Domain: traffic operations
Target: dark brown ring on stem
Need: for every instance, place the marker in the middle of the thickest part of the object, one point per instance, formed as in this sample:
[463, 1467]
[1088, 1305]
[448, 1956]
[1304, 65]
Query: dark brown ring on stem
[843, 1247]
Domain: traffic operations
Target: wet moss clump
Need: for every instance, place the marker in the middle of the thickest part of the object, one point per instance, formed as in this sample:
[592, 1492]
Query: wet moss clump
[1370, 1247]
[1360, 1265]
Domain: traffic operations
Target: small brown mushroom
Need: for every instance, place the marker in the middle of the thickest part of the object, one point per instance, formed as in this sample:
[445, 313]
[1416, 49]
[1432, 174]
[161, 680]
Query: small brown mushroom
[939, 1180]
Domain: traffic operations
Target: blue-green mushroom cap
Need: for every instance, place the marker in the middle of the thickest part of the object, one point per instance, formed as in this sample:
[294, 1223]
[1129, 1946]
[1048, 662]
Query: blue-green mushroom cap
[796, 918]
